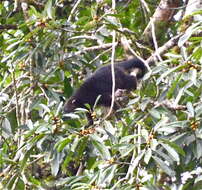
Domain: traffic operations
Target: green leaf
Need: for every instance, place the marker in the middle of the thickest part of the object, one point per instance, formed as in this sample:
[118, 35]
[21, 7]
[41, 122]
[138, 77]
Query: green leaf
[198, 110]
[172, 127]
[135, 162]
[149, 90]
[147, 156]
[109, 127]
[10, 55]
[165, 74]
[128, 138]
[173, 154]
[68, 90]
[176, 147]
[190, 109]
[45, 107]
[25, 156]
[61, 145]
[101, 148]
[82, 20]
[55, 164]
[81, 146]
[70, 180]
[165, 156]
[49, 9]
[170, 92]
[161, 123]
[13, 44]
[33, 11]
[198, 179]
[184, 38]
[164, 166]
[199, 148]
[193, 76]
[107, 175]
[72, 115]
[154, 112]
[178, 124]
[6, 128]
[35, 140]
[125, 149]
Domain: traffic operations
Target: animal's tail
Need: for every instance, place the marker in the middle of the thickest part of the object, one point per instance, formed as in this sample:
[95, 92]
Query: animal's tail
[132, 64]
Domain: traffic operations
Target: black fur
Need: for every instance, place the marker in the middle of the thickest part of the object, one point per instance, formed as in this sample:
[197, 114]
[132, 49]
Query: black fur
[100, 83]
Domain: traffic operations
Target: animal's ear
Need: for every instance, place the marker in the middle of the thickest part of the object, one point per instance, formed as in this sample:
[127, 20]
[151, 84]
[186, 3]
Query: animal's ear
[73, 101]
[135, 72]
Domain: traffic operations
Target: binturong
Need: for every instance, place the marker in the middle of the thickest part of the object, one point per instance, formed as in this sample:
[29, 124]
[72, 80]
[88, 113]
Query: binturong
[100, 84]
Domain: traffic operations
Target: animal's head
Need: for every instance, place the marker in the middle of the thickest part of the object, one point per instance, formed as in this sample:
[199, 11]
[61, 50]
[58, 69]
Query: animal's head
[70, 105]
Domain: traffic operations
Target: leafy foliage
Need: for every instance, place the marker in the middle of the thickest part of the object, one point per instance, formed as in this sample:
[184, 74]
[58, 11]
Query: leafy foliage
[49, 50]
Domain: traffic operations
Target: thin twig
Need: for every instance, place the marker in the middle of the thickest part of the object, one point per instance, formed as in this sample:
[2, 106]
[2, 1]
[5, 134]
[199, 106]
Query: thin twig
[146, 7]
[161, 50]
[16, 94]
[89, 49]
[97, 57]
[154, 39]
[170, 105]
[73, 10]
[33, 81]
[112, 64]
[139, 137]
[82, 37]
[4, 90]
[15, 183]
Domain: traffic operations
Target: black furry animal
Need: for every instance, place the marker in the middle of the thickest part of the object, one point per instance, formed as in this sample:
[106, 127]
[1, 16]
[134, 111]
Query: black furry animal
[100, 83]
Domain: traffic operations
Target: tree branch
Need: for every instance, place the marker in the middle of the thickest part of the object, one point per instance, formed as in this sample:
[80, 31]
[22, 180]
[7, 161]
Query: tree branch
[8, 26]
[169, 44]
[170, 105]
[161, 18]
[89, 49]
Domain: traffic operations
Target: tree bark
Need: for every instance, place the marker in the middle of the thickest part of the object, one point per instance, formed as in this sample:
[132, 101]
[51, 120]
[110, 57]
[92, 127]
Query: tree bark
[160, 20]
